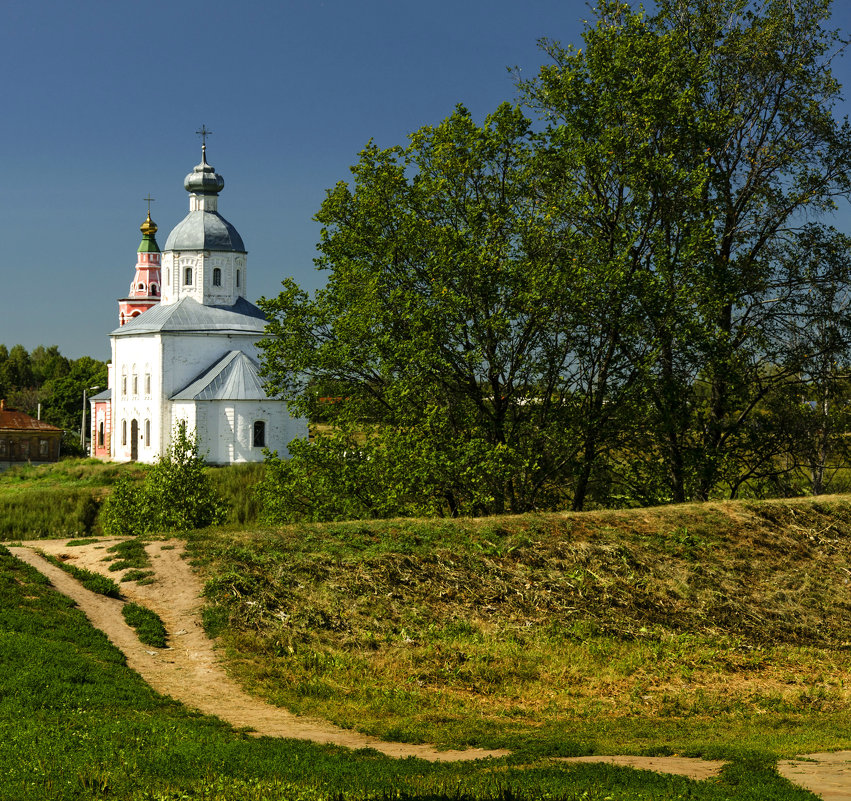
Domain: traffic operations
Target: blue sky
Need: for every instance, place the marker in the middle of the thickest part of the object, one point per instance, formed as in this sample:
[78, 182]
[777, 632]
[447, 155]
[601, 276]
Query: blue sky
[102, 98]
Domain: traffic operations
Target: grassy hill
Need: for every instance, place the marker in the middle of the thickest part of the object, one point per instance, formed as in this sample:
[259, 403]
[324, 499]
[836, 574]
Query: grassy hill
[679, 627]
[719, 630]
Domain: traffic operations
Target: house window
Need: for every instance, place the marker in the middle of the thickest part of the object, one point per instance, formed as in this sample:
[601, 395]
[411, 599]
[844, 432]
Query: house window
[100, 435]
[123, 432]
[135, 384]
[148, 433]
[187, 276]
[3, 450]
[237, 277]
[154, 291]
[217, 277]
[123, 384]
[259, 434]
[147, 383]
[43, 448]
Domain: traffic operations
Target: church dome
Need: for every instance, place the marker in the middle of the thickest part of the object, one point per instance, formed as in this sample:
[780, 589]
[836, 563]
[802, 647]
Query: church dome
[204, 180]
[149, 227]
[149, 238]
[204, 230]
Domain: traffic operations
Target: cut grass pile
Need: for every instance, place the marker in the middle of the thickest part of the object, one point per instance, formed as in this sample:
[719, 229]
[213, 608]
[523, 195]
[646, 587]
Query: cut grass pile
[681, 628]
[148, 624]
[76, 723]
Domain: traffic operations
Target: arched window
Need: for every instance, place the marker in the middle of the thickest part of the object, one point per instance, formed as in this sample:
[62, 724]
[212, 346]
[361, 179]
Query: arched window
[187, 276]
[142, 287]
[259, 439]
[135, 384]
[217, 277]
[123, 432]
[100, 435]
[237, 277]
[147, 384]
[154, 290]
[124, 383]
[148, 433]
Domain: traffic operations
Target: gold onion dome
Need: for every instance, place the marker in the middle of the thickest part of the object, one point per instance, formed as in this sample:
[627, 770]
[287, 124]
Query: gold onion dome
[149, 227]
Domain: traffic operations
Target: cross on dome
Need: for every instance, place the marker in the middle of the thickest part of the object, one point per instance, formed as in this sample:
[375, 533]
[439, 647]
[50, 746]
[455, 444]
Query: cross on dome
[203, 133]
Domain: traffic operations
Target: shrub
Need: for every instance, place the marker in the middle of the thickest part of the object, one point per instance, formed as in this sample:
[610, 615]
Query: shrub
[176, 494]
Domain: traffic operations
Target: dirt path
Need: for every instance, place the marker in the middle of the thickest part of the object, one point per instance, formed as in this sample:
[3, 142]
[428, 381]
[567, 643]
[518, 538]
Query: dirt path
[190, 672]
[827, 775]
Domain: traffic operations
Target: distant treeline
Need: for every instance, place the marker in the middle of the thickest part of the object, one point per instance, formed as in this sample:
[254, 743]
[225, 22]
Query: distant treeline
[46, 377]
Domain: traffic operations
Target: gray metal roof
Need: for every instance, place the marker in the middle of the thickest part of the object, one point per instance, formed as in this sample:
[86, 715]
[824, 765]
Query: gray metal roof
[102, 396]
[234, 377]
[204, 230]
[189, 315]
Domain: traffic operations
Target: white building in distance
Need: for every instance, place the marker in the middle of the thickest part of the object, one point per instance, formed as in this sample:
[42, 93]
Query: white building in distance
[186, 347]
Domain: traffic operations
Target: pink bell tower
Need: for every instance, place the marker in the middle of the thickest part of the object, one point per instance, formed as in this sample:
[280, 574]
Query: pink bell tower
[145, 289]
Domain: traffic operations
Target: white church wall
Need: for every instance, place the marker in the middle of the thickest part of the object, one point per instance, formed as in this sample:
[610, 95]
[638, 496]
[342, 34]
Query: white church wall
[226, 429]
[136, 395]
[201, 267]
[183, 412]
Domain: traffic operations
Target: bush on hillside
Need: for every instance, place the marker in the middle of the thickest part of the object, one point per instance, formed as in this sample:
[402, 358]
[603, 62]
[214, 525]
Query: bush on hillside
[176, 494]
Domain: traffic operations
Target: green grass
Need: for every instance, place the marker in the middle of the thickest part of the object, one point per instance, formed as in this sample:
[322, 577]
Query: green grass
[55, 500]
[719, 630]
[148, 625]
[128, 553]
[76, 724]
[139, 576]
[92, 581]
[63, 499]
[235, 484]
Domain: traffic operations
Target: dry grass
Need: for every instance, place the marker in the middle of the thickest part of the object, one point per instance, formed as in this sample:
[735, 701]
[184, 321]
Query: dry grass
[487, 630]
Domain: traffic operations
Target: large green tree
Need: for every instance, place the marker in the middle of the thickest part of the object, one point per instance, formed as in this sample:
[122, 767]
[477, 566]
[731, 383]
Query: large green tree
[617, 299]
[443, 332]
[744, 94]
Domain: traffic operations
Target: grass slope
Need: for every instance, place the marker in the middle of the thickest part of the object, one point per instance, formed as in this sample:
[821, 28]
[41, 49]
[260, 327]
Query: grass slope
[704, 629]
[63, 499]
[75, 723]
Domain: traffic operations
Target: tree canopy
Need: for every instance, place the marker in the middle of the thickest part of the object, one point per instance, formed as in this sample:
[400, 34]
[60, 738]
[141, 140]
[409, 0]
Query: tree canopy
[44, 376]
[630, 295]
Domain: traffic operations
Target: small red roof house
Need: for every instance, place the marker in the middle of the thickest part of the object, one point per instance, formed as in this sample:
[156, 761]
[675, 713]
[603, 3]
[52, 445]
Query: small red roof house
[25, 439]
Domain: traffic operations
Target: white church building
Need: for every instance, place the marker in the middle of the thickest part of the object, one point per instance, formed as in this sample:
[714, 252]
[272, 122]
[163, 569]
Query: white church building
[185, 349]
